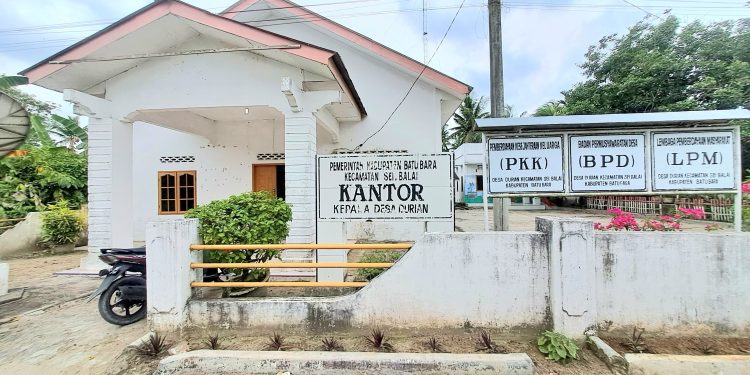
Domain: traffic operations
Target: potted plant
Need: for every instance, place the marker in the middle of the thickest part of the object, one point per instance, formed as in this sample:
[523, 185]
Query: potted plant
[248, 218]
[61, 227]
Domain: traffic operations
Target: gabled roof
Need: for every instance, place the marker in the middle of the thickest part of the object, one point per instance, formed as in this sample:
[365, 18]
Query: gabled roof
[381, 50]
[161, 8]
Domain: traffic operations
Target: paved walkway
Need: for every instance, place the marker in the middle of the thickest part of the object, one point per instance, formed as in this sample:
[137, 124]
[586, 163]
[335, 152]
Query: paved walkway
[66, 338]
[472, 220]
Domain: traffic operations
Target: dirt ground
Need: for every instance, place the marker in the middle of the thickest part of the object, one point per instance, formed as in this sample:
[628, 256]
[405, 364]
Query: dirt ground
[688, 345]
[68, 336]
[472, 220]
[412, 341]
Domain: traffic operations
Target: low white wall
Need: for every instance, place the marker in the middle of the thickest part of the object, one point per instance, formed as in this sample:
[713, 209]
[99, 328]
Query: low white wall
[564, 277]
[663, 281]
[445, 280]
[22, 238]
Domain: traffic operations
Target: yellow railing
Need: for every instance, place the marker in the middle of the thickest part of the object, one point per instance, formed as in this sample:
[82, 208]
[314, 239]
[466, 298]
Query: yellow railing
[335, 246]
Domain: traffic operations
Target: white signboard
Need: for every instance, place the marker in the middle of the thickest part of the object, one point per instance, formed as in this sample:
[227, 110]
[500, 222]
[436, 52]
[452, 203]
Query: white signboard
[607, 163]
[525, 165]
[693, 160]
[386, 186]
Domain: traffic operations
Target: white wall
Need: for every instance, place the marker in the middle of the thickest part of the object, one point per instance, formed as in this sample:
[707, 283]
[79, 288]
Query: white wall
[223, 166]
[663, 281]
[381, 86]
[245, 79]
[445, 280]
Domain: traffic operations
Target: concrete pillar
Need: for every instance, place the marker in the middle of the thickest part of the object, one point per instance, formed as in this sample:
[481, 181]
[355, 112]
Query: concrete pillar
[4, 278]
[300, 147]
[110, 177]
[572, 274]
[169, 274]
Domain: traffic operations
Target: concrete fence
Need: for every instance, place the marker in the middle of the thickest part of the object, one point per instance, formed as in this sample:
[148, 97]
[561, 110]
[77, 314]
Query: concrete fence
[563, 277]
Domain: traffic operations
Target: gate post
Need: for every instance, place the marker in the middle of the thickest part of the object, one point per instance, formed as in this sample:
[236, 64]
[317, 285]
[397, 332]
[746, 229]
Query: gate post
[572, 274]
[169, 275]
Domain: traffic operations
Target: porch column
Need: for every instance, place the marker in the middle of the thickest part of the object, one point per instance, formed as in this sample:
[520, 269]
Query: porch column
[300, 147]
[110, 173]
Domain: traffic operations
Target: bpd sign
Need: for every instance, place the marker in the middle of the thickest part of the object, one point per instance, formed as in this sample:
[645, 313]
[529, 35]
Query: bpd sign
[607, 162]
[387, 186]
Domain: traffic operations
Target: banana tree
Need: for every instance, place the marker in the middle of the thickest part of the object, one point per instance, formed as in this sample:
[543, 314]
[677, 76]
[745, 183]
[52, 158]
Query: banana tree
[74, 136]
[10, 81]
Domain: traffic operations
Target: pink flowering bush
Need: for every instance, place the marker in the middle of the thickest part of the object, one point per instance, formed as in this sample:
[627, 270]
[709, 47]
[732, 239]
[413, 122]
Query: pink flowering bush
[622, 220]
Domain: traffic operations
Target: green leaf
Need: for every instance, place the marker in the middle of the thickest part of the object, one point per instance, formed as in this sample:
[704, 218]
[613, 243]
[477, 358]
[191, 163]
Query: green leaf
[40, 131]
[10, 81]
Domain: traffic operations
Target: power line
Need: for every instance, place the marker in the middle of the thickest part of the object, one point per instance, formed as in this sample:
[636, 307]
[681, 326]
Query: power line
[416, 79]
[314, 18]
[508, 4]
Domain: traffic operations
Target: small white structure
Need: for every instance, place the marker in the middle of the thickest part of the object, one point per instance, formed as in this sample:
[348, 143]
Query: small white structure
[187, 106]
[469, 184]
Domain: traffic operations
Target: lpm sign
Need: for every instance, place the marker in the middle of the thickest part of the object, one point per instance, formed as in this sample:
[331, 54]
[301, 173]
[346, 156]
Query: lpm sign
[385, 186]
[693, 161]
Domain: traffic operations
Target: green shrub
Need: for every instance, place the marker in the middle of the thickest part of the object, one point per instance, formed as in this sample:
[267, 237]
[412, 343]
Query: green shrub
[248, 218]
[61, 225]
[557, 347]
[377, 256]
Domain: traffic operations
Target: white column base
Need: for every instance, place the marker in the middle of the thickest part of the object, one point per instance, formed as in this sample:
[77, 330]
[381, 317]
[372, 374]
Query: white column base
[4, 278]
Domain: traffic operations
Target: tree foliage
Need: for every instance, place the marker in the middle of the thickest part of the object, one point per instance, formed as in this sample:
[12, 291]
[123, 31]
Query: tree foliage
[665, 67]
[552, 108]
[465, 118]
[42, 176]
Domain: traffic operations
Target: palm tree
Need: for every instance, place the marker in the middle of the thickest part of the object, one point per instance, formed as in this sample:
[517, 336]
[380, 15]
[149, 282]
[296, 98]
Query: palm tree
[466, 121]
[508, 111]
[445, 137]
[552, 108]
[74, 136]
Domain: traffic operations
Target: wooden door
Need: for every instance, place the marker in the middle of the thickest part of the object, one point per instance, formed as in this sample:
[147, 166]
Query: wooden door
[264, 178]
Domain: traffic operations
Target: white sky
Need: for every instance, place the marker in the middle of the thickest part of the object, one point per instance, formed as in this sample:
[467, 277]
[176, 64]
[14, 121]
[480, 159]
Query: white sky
[543, 39]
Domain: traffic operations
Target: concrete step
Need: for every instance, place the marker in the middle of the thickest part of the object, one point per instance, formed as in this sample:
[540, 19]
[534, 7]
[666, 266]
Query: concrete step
[333, 363]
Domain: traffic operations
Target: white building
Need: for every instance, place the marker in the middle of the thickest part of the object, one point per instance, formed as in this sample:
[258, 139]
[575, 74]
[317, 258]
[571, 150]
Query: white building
[186, 106]
[469, 187]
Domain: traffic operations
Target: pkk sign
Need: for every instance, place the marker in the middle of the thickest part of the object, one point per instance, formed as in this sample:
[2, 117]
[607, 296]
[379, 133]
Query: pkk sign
[693, 160]
[608, 163]
[525, 165]
[386, 186]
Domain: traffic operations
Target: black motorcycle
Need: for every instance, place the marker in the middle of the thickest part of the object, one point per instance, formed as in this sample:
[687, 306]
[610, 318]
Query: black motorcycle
[123, 291]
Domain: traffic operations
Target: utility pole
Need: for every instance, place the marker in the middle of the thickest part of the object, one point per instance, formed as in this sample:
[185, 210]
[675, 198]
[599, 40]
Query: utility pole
[500, 206]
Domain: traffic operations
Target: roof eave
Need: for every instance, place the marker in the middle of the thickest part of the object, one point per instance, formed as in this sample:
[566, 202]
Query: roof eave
[626, 120]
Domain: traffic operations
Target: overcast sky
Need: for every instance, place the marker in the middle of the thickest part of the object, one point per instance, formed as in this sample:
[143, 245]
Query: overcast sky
[543, 39]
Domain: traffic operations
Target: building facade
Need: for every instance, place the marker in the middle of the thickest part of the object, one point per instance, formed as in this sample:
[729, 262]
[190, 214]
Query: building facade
[186, 106]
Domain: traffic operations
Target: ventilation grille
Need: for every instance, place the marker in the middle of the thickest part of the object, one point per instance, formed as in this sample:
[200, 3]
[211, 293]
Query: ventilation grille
[278, 156]
[372, 152]
[177, 159]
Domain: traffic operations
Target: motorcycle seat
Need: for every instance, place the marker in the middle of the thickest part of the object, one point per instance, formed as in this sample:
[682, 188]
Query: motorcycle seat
[136, 250]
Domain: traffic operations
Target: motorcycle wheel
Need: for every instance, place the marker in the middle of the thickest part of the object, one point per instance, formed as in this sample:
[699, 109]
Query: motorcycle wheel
[116, 311]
